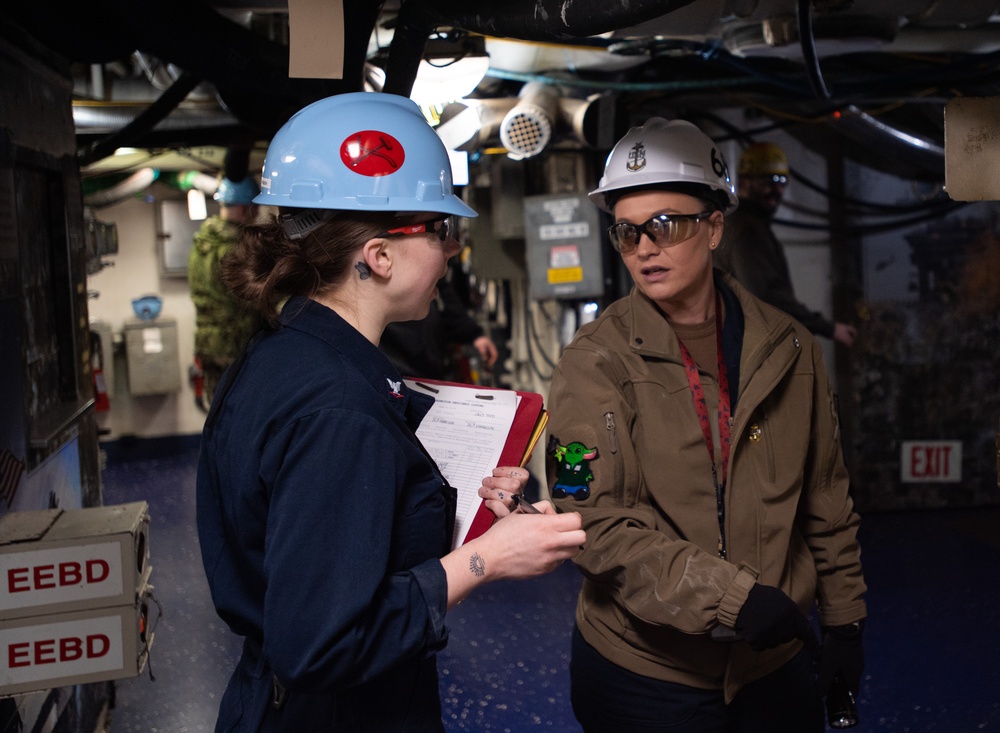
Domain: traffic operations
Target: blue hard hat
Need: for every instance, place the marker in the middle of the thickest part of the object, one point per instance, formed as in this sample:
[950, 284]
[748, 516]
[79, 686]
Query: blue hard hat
[238, 193]
[361, 151]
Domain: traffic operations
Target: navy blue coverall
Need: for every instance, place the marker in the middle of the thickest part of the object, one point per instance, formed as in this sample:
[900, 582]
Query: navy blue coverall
[321, 521]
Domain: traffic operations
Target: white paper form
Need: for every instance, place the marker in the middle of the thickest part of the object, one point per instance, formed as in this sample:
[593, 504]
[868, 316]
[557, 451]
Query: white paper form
[465, 432]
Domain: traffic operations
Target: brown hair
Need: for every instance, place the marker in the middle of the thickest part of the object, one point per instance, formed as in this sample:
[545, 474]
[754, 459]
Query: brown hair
[265, 267]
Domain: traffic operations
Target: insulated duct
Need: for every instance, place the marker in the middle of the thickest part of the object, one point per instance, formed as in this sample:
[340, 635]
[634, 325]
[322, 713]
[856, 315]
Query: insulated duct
[526, 124]
[107, 118]
[475, 125]
[146, 121]
[590, 121]
[135, 183]
[527, 128]
[198, 181]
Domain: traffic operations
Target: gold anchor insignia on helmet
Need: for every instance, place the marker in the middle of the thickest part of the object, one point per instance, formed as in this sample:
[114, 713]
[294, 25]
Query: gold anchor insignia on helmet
[636, 157]
[755, 433]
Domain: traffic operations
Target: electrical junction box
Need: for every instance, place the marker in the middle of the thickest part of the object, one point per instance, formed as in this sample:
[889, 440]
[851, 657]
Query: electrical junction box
[54, 561]
[563, 239]
[153, 356]
[62, 649]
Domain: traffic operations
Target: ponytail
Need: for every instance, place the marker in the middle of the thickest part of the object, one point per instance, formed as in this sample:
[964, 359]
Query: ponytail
[264, 267]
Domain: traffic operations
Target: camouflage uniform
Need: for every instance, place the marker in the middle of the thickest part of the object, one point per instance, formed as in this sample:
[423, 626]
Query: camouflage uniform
[222, 324]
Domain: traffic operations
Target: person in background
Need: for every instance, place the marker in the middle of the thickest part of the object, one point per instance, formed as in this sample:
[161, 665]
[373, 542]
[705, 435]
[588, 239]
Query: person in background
[427, 348]
[693, 427]
[752, 253]
[222, 325]
[325, 527]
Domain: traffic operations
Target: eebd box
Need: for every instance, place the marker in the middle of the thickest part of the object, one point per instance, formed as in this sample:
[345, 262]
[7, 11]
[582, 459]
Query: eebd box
[62, 649]
[55, 560]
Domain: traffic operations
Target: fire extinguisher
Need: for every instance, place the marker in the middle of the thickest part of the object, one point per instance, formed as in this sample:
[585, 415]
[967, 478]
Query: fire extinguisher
[101, 402]
[196, 376]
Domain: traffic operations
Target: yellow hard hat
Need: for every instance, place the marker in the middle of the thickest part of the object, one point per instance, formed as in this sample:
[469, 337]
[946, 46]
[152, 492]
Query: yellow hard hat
[763, 159]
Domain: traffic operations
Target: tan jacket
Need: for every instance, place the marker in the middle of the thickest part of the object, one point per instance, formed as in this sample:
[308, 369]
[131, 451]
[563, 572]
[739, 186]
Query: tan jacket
[654, 582]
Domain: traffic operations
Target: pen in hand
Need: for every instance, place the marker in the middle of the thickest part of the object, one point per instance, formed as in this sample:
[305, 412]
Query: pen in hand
[524, 505]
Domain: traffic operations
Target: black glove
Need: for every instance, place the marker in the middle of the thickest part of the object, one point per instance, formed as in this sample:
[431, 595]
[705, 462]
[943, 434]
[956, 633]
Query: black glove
[769, 618]
[842, 655]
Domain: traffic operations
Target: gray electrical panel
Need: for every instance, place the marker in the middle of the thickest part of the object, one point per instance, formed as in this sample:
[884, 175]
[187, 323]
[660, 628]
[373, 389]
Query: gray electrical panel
[154, 365]
[563, 238]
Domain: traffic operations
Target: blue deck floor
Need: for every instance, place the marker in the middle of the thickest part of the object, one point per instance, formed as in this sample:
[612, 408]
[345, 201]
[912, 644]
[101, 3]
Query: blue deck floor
[932, 642]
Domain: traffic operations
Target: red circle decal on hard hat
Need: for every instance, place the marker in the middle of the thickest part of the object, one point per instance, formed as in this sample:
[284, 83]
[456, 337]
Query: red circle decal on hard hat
[372, 153]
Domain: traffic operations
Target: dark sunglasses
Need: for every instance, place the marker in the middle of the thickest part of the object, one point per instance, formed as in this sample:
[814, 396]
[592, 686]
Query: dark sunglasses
[444, 228]
[663, 230]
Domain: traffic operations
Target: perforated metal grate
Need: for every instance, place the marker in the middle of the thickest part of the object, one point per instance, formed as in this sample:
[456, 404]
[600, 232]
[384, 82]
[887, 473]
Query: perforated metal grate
[526, 132]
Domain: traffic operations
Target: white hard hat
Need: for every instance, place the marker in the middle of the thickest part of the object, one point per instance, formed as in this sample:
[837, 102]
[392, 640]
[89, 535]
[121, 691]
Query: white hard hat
[663, 152]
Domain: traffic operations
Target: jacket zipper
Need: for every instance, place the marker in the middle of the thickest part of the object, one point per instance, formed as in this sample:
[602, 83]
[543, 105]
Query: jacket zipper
[756, 359]
[609, 419]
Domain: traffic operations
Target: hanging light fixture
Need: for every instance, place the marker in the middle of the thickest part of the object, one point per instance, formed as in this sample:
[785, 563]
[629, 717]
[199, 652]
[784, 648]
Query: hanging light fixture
[453, 65]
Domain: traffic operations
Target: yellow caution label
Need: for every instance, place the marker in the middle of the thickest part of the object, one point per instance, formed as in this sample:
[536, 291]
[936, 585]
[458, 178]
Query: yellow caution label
[565, 275]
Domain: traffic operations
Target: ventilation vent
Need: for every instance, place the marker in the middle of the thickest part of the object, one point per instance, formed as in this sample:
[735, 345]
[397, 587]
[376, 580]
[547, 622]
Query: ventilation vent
[526, 131]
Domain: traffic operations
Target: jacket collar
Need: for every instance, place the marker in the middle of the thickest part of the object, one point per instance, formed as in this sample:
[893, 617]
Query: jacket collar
[763, 325]
[650, 332]
[306, 315]
[771, 344]
[746, 321]
[732, 334]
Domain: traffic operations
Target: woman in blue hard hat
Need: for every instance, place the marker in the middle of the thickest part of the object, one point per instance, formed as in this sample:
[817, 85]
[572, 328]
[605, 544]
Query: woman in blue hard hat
[325, 528]
[694, 429]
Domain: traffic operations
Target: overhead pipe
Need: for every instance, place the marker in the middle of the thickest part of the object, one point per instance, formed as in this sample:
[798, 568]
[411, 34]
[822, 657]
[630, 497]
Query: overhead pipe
[249, 71]
[416, 23]
[194, 180]
[807, 40]
[908, 149]
[114, 116]
[539, 20]
[145, 122]
[476, 124]
[126, 188]
[525, 20]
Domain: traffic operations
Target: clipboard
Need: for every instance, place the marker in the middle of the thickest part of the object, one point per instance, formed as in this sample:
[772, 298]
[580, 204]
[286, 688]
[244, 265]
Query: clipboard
[530, 418]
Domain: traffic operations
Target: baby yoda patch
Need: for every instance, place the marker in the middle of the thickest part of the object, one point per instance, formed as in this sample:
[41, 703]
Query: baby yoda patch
[573, 474]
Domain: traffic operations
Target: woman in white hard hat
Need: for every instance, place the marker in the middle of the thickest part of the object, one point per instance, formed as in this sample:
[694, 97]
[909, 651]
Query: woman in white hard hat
[325, 527]
[694, 429]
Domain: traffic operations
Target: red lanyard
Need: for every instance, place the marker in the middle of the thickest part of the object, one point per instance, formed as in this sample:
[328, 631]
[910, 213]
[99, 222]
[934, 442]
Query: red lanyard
[700, 406]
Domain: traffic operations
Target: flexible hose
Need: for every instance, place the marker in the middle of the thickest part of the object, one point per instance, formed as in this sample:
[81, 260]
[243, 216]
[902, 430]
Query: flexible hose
[808, 43]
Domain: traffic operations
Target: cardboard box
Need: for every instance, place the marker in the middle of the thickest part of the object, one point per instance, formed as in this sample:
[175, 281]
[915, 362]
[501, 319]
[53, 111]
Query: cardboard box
[73, 648]
[54, 561]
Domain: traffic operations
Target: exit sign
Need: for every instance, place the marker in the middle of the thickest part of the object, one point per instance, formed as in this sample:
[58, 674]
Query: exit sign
[931, 461]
